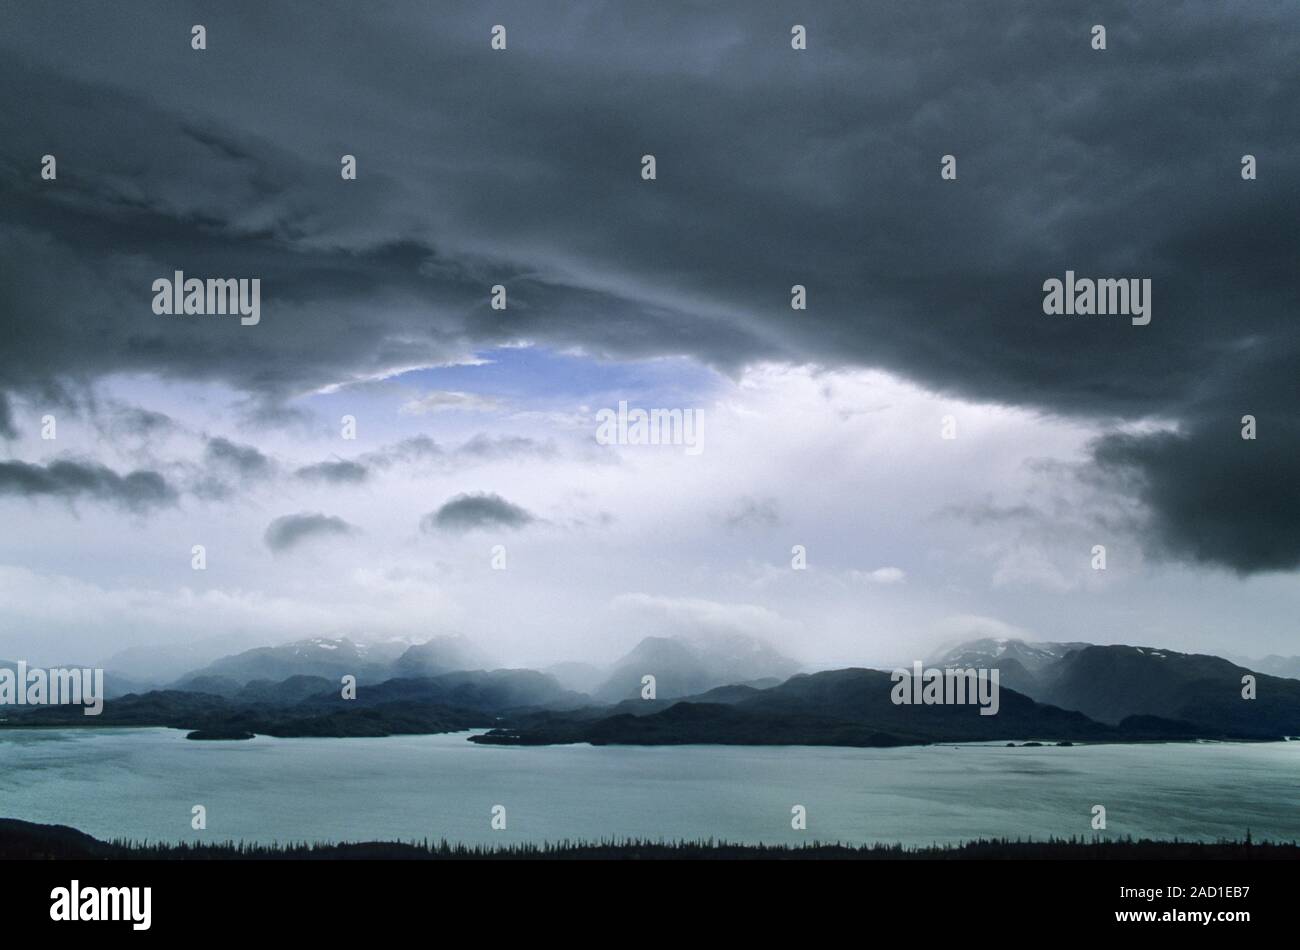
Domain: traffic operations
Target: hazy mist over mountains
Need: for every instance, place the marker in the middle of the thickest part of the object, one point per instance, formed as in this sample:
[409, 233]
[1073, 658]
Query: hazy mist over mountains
[730, 658]
[683, 665]
[732, 690]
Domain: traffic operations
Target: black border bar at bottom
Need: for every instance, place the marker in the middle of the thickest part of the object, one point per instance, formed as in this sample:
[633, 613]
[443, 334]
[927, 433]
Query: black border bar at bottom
[766, 898]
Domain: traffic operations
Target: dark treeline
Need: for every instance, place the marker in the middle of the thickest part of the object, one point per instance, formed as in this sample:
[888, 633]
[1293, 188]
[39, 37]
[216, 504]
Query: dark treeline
[25, 841]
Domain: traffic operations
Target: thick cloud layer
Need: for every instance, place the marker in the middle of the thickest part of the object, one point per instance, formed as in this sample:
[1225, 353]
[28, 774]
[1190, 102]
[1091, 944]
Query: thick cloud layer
[775, 167]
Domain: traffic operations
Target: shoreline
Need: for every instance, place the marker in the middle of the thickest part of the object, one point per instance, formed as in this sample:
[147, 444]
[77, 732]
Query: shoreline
[471, 733]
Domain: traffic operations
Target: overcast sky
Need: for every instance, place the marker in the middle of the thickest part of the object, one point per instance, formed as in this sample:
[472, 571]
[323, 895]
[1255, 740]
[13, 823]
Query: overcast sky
[476, 427]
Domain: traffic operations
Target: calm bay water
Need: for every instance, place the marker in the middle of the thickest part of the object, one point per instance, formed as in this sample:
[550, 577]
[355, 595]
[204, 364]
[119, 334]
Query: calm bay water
[142, 783]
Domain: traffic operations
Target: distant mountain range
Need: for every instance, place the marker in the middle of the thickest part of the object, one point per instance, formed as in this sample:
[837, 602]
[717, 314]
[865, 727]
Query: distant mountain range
[115, 683]
[684, 667]
[1024, 667]
[1114, 682]
[732, 691]
[313, 706]
[331, 658]
[1111, 683]
[680, 666]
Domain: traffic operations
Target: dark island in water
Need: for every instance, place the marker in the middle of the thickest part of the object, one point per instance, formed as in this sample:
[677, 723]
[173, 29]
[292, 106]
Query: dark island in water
[221, 734]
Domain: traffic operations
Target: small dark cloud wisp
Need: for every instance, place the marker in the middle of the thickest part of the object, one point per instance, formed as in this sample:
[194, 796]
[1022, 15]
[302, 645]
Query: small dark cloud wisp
[468, 512]
[137, 491]
[289, 531]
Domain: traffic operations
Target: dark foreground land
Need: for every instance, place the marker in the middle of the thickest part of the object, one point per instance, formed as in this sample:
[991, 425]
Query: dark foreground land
[22, 840]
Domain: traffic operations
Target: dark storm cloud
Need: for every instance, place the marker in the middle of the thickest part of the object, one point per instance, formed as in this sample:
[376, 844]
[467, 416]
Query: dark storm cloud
[288, 531]
[138, 491]
[467, 512]
[7, 429]
[1213, 496]
[775, 167]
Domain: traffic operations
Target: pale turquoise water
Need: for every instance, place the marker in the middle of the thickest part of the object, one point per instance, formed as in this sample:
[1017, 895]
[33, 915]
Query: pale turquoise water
[142, 783]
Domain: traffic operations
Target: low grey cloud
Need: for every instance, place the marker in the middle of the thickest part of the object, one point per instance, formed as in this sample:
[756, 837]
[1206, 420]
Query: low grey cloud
[139, 490]
[246, 461]
[749, 513]
[479, 448]
[340, 472]
[986, 513]
[419, 448]
[424, 450]
[289, 531]
[138, 422]
[492, 448]
[467, 512]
